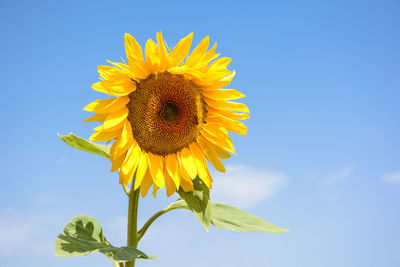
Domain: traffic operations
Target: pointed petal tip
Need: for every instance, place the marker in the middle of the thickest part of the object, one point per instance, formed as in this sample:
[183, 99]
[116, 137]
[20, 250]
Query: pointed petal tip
[127, 36]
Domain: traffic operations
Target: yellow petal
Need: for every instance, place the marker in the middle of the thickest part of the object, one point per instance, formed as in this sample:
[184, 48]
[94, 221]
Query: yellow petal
[210, 179]
[116, 87]
[123, 142]
[182, 172]
[188, 72]
[210, 153]
[139, 69]
[163, 52]
[197, 53]
[218, 136]
[223, 94]
[223, 154]
[142, 169]
[107, 72]
[124, 68]
[214, 76]
[231, 125]
[133, 49]
[209, 56]
[127, 136]
[213, 85]
[227, 113]
[99, 105]
[180, 51]
[169, 184]
[96, 117]
[110, 128]
[116, 163]
[187, 185]
[171, 165]
[221, 63]
[188, 162]
[115, 118]
[118, 103]
[151, 54]
[201, 163]
[156, 169]
[146, 183]
[121, 177]
[115, 147]
[131, 162]
[227, 105]
[105, 136]
[155, 188]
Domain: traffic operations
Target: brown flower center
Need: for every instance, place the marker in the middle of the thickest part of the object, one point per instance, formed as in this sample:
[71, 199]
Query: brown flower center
[166, 112]
[169, 111]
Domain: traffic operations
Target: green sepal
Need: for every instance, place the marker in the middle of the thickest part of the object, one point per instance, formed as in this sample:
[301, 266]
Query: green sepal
[198, 202]
[235, 219]
[83, 235]
[86, 145]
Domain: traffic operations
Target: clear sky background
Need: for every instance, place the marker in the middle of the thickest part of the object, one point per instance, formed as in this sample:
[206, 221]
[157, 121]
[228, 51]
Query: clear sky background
[321, 156]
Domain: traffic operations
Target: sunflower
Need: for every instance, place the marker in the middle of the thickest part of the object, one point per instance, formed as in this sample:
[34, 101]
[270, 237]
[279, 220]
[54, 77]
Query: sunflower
[169, 114]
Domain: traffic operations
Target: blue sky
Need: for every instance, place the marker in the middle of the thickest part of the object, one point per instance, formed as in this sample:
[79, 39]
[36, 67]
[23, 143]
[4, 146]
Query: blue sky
[321, 156]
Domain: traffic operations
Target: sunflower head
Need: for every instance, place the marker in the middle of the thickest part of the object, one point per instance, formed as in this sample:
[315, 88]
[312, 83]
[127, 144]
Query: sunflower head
[168, 115]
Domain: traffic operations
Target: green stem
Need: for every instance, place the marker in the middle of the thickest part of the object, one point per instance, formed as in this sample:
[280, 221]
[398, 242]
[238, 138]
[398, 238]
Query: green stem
[153, 218]
[132, 222]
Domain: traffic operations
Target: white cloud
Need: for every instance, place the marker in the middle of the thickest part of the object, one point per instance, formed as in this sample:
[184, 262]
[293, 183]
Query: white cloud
[393, 178]
[244, 186]
[341, 175]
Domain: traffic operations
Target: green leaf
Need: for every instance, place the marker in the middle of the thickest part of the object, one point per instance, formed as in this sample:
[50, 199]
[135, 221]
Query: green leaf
[198, 202]
[84, 235]
[228, 217]
[126, 253]
[235, 219]
[85, 145]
